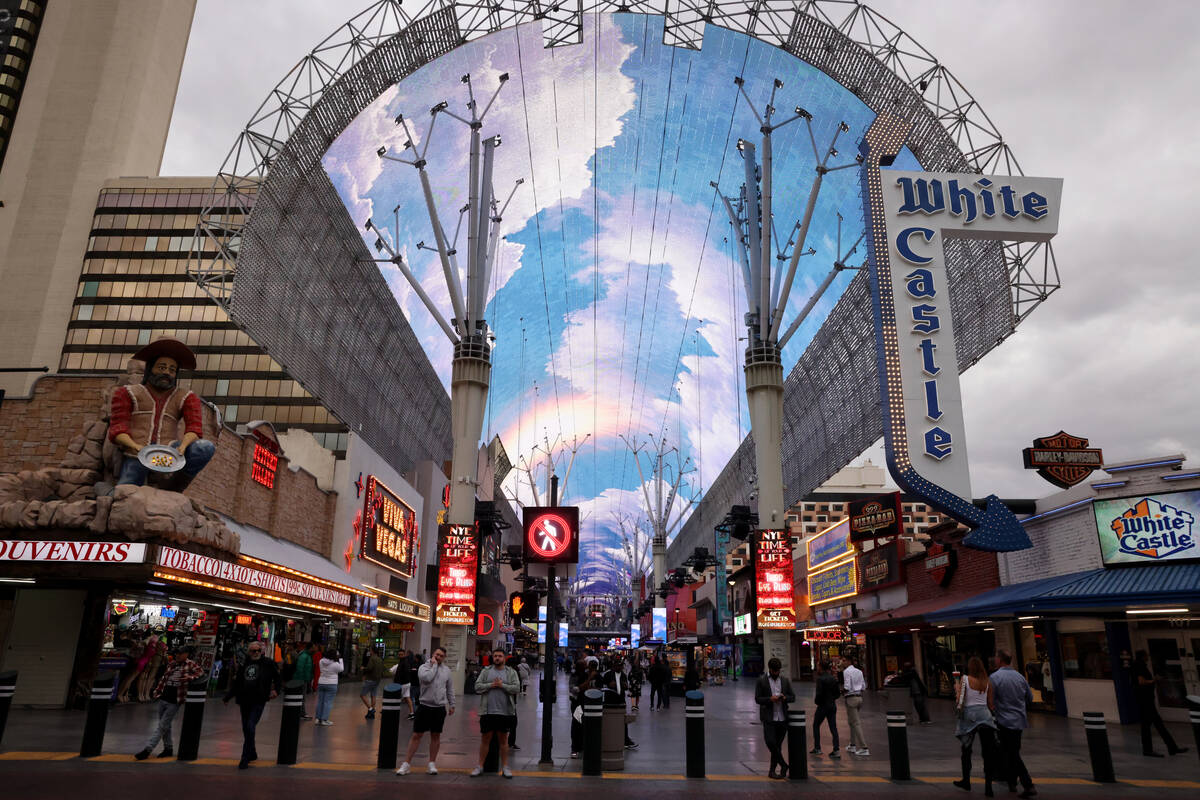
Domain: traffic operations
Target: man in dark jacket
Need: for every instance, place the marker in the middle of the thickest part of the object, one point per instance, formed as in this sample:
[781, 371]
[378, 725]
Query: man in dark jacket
[614, 680]
[256, 682]
[825, 697]
[773, 692]
[917, 690]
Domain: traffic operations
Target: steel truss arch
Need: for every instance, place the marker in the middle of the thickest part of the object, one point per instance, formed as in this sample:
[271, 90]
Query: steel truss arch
[277, 250]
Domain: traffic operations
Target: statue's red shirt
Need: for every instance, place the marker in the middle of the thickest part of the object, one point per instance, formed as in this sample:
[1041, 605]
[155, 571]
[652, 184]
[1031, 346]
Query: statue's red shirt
[122, 413]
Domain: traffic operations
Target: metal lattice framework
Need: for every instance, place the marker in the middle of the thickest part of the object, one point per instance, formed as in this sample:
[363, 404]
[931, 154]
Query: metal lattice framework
[295, 274]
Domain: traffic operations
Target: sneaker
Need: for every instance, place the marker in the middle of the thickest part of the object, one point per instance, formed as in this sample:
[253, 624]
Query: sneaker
[475, 773]
[575, 755]
[631, 745]
[432, 768]
[851, 749]
[142, 755]
[816, 751]
[514, 747]
[834, 754]
[412, 716]
[404, 769]
[166, 753]
[926, 722]
[306, 716]
[863, 752]
[327, 722]
[243, 764]
[506, 772]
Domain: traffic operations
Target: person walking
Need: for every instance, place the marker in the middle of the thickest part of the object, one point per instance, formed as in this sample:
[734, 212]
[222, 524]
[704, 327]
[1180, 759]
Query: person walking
[1010, 698]
[171, 691]
[256, 683]
[372, 674]
[660, 678]
[773, 692]
[974, 708]
[636, 678]
[497, 686]
[415, 660]
[825, 697]
[523, 674]
[327, 684]
[304, 674]
[580, 682]
[917, 691]
[614, 680]
[1143, 696]
[402, 674]
[854, 685]
[435, 702]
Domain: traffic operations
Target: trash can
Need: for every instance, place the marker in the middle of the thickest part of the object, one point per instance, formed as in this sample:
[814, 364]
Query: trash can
[612, 736]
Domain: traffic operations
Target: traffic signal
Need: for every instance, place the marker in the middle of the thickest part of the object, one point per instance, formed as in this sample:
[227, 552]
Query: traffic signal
[523, 606]
[516, 605]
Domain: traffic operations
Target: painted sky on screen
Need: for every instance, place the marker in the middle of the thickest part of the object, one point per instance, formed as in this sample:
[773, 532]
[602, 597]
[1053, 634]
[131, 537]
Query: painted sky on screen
[613, 302]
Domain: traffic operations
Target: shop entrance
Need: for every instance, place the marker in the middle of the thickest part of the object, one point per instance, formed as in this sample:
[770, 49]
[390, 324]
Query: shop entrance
[1173, 661]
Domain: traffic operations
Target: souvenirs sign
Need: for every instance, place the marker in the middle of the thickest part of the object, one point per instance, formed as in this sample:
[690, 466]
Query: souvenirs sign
[908, 216]
[773, 581]
[1148, 529]
[458, 568]
[75, 552]
[389, 530]
[1063, 459]
[876, 517]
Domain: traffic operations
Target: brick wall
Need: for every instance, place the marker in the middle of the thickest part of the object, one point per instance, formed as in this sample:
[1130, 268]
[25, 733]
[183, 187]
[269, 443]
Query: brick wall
[978, 571]
[34, 433]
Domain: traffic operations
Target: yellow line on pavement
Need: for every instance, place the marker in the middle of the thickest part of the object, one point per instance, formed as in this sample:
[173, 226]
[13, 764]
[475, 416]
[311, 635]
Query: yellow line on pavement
[850, 779]
[1159, 784]
[28, 755]
[340, 767]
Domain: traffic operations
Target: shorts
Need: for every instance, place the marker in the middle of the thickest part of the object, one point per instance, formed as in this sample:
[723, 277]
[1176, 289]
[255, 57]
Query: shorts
[405, 690]
[496, 723]
[429, 719]
[369, 688]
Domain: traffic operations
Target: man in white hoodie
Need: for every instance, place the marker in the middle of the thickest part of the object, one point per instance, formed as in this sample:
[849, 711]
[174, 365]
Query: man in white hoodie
[435, 704]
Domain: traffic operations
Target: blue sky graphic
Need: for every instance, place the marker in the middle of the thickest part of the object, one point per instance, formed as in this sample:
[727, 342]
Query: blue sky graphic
[617, 302]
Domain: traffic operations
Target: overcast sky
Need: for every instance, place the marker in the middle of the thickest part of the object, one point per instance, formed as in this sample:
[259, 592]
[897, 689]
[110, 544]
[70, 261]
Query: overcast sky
[1101, 94]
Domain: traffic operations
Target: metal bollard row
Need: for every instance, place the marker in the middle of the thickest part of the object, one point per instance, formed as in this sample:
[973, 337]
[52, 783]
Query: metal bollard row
[593, 718]
[8, 686]
[897, 725]
[1096, 731]
[1193, 715]
[193, 719]
[389, 725]
[289, 724]
[797, 738]
[693, 712]
[97, 714]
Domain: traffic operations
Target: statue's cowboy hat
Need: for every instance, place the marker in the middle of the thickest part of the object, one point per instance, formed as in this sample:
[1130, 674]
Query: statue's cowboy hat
[171, 348]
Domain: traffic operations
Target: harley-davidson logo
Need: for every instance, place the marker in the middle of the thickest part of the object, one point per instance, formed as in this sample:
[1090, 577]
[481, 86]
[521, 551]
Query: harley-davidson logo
[1063, 459]
[940, 562]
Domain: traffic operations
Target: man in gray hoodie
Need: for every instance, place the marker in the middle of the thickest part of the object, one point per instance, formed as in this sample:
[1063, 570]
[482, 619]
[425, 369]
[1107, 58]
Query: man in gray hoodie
[436, 703]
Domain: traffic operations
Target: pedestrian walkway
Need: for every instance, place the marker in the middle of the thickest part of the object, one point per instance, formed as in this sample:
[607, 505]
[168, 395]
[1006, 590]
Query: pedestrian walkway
[1055, 749]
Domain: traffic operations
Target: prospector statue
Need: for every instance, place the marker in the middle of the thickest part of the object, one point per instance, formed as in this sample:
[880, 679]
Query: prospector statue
[157, 412]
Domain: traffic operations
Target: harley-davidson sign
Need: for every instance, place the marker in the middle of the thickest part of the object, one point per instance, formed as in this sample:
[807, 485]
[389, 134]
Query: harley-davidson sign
[1063, 459]
[940, 563]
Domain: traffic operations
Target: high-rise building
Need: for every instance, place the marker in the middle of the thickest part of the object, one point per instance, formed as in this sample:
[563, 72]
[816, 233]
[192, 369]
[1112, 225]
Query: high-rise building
[134, 288]
[96, 95]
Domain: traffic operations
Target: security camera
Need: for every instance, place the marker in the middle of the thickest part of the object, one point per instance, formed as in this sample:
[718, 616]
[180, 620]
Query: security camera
[381, 152]
[503, 77]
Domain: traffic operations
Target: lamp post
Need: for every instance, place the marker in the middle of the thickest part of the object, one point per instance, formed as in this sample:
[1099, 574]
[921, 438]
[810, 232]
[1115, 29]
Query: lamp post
[750, 215]
[467, 329]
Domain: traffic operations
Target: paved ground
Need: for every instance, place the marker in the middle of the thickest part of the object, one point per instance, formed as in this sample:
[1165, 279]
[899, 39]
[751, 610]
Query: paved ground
[38, 758]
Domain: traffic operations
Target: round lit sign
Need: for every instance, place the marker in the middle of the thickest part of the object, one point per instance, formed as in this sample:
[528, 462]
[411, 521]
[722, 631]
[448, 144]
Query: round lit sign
[550, 536]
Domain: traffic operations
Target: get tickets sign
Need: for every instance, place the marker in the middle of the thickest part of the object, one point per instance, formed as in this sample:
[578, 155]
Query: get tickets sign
[909, 216]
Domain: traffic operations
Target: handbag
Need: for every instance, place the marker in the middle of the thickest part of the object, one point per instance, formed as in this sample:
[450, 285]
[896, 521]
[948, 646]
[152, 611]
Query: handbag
[960, 710]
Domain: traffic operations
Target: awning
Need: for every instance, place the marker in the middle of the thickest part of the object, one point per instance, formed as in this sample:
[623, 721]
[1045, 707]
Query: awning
[913, 613]
[1112, 588]
[259, 544]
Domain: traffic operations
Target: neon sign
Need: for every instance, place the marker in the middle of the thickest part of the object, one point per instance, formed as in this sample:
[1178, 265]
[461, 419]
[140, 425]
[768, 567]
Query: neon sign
[773, 581]
[389, 531]
[458, 566]
[264, 466]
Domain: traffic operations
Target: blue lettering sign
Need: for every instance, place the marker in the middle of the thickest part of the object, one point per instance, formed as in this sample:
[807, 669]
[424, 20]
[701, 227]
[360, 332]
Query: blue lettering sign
[927, 196]
[937, 443]
[1033, 205]
[919, 283]
[962, 201]
[928, 366]
[921, 195]
[905, 250]
[932, 410]
[925, 318]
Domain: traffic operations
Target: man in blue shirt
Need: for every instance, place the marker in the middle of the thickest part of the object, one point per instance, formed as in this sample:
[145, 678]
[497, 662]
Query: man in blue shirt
[1012, 695]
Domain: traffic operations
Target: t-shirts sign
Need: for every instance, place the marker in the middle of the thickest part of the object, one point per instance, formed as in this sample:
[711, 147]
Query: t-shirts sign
[73, 552]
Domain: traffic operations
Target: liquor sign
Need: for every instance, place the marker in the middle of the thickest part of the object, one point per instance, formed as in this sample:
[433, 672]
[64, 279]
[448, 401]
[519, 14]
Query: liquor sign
[458, 568]
[833, 583]
[1063, 459]
[551, 534]
[880, 567]
[74, 552]
[876, 517]
[824, 635]
[773, 580]
[908, 216]
[829, 545]
[390, 533]
[1148, 529]
[940, 562]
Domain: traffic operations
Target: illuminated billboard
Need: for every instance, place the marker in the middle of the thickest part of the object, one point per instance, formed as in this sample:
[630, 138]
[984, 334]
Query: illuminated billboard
[635, 634]
[659, 624]
[773, 581]
[390, 534]
[833, 583]
[830, 545]
[458, 565]
[1148, 529]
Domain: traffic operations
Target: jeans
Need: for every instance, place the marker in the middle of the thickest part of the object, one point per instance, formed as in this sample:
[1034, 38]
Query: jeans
[196, 457]
[325, 694]
[1012, 767]
[1150, 716]
[919, 704]
[774, 734]
[251, 714]
[162, 726]
[829, 713]
[987, 742]
[853, 704]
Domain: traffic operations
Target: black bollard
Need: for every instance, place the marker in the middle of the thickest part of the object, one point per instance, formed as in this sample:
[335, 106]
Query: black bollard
[97, 714]
[389, 725]
[693, 712]
[8, 685]
[797, 738]
[593, 719]
[289, 725]
[1097, 739]
[1193, 701]
[193, 720]
[897, 725]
